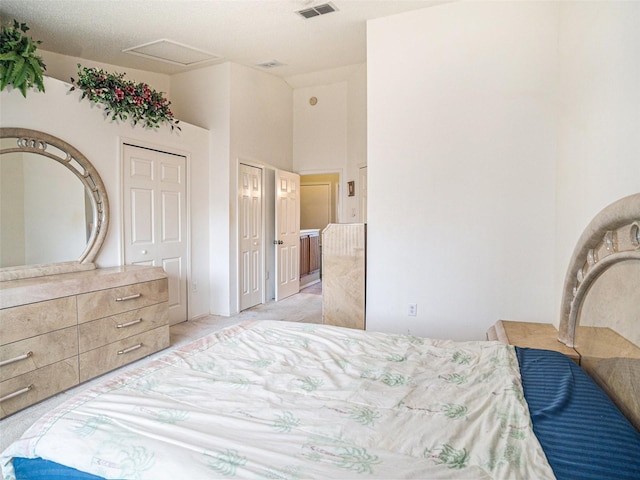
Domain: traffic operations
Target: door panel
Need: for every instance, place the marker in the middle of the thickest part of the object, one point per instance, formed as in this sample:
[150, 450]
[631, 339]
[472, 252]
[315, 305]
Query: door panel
[141, 169]
[170, 173]
[288, 234]
[155, 218]
[142, 216]
[171, 221]
[173, 267]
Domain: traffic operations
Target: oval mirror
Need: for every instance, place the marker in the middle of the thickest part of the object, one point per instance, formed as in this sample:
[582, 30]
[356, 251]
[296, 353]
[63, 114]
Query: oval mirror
[53, 206]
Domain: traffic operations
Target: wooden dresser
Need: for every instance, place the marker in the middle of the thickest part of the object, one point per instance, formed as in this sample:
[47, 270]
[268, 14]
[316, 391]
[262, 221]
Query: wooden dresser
[60, 330]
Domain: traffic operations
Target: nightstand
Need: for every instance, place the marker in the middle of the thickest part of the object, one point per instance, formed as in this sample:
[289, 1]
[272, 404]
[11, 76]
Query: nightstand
[531, 335]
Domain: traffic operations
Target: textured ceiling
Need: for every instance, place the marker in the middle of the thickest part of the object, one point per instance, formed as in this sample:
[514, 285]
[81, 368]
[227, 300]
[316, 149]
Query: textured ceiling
[248, 32]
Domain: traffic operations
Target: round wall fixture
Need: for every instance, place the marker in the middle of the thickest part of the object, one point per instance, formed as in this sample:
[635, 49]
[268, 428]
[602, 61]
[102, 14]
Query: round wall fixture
[313, 101]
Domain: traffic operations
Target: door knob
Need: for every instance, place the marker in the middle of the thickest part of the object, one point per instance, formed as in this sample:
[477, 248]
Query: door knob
[144, 252]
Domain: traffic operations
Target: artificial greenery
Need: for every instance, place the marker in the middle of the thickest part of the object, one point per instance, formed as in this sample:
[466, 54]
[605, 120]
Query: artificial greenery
[124, 99]
[19, 64]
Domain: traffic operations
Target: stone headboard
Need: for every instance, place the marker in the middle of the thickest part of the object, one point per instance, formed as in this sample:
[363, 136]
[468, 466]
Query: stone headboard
[602, 284]
[600, 314]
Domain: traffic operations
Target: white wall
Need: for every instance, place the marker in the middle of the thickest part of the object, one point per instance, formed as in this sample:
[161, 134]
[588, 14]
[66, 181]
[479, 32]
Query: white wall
[331, 135]
[462, 155]
[599, 117]
[262, 135]
[249, 114]
[261, 117]
[356, 138]
[320, 132]
[203, 97]
[82, 124]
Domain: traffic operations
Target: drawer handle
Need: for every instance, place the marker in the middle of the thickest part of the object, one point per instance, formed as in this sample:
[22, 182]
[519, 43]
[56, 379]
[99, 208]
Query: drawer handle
[130, 349]
[16, 359]
[128, 324]
[16, 393]
[130, 297]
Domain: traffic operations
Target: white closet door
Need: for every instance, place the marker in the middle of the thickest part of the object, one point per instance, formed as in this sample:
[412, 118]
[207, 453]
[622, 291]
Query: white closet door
[155, 218]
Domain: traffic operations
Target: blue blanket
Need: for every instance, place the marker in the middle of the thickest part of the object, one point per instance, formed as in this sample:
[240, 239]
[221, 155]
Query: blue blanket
[582, 432]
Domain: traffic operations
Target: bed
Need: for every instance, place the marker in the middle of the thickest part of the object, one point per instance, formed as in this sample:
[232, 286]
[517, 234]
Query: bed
[271, 399]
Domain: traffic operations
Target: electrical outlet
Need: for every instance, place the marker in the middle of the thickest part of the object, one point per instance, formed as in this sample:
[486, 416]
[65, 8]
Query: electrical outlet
[413, 309]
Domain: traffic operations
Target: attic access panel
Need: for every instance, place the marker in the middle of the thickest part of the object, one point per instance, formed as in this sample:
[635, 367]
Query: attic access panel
[168, 51]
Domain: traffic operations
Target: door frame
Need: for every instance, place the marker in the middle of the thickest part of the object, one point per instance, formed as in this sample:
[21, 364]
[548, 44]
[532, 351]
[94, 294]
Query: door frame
[172, 151]
[363, 202]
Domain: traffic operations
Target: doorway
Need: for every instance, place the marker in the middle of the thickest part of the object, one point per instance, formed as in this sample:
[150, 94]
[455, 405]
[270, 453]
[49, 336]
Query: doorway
[319, 206]
[268, 234]
[319, 200]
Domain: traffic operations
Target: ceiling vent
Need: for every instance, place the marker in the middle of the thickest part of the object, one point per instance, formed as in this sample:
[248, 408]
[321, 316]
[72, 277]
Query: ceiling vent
[317, 10]
[270, 64]
[172, 52]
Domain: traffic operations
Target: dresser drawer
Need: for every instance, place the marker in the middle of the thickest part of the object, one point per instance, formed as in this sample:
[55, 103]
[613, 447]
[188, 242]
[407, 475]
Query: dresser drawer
[24, 356]
[101, 360]
[26, 321]
[103, 331]
[104, 303]
[24, 390]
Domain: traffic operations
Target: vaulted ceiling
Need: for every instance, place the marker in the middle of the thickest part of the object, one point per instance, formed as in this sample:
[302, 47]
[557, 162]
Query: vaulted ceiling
[248, 32]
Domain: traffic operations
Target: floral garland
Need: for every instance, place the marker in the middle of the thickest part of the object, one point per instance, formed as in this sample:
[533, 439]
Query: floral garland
[124, 99]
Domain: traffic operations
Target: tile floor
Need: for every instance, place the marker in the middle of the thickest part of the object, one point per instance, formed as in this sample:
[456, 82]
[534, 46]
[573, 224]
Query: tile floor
[305, 307]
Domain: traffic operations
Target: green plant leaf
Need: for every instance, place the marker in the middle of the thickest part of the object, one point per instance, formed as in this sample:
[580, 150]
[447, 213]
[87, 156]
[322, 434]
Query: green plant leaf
[4, 79]
[18, 74]
[9, 56]
[9, 74]
[19, 65]
[36, 74]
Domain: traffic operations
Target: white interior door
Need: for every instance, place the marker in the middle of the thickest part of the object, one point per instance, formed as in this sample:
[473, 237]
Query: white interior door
[287, 241]
[251, 258]
[155, 218]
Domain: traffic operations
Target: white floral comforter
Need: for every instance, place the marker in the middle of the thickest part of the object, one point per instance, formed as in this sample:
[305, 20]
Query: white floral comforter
[297, 401]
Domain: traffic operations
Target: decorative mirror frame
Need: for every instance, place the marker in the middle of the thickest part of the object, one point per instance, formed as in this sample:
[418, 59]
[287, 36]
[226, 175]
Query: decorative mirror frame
[33, 141]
